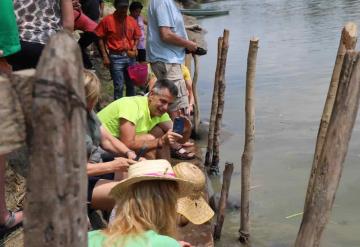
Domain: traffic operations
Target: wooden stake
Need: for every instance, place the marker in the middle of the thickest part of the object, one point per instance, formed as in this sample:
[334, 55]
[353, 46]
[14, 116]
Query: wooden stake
[347, 42]
[214, 168]
[229, 168]
[196, 96]
[55, 209]
[214, 106]
[328, 172]
[188, 59]
[247, 157]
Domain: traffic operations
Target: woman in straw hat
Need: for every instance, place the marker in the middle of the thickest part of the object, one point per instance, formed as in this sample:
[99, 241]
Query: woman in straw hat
[146, 208]
[102, 174]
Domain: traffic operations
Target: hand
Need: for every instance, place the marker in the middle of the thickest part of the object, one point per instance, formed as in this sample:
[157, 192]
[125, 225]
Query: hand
[121, 164]
[184, 244]
[131, 155]
[192, 46]
[189, 110]
[106, 61]
[170, 137]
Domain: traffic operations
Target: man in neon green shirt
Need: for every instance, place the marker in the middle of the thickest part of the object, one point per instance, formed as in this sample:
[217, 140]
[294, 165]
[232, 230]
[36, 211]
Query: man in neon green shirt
[142, 121]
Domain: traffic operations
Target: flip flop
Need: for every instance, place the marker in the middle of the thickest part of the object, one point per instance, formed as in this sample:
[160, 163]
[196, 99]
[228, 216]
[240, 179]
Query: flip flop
[182, 154]
[9, 224]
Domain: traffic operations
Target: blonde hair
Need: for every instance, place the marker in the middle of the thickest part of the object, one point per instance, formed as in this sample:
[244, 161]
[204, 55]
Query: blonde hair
[147, 205]
[92, 86]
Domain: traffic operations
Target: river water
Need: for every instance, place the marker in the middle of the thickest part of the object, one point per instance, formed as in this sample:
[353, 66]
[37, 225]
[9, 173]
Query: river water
[297, 48]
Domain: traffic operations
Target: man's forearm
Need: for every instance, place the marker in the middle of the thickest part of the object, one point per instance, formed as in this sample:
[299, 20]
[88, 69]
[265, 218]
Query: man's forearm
[169, 37]
[115, 146]
[102, 49]
[174, 39]
[149, 142]
[136, 42]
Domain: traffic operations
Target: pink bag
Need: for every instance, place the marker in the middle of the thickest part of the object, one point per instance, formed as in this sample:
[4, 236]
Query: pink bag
[138, 73]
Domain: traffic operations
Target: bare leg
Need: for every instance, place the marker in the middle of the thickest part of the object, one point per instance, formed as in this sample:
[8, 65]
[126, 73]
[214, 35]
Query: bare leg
[120, 176]
[4, 213]
[164, 152]
[100, 197]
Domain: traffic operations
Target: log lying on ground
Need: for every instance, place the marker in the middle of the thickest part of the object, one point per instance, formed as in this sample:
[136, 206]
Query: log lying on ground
[55, 209]
[330, 165]
[347, 42]
[247, 157]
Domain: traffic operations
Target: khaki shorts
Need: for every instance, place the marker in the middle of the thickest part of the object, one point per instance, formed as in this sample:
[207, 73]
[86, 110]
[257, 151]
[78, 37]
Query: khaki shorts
[172, 72]
[15, 101]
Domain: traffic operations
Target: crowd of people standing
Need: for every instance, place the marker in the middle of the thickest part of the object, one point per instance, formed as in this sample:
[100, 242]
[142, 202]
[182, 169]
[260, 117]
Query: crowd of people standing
[127, 128]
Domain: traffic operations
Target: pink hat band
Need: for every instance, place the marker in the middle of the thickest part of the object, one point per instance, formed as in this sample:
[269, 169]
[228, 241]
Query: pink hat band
[158, 174]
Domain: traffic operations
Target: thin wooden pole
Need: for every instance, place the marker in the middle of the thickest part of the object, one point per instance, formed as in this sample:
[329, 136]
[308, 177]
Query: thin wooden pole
[328, 173]
[55, 208]
[214, 106]
[214, 168]
[188, 59]
[347, 42]
[196, 96]
[229, 168]
[247, 157]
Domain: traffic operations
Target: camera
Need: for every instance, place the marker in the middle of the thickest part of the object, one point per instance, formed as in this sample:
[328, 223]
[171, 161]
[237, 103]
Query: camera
[178, 126]
[199, 51]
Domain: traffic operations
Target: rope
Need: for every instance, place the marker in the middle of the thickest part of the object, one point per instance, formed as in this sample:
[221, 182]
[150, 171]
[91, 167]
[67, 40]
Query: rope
[61, 93]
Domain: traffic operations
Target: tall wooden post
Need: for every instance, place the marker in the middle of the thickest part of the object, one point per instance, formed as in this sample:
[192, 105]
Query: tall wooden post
[214, 107]
[347, 42]
[196, 96]
[247, 157]
[214, 168]
[55, 209]
[329, 169]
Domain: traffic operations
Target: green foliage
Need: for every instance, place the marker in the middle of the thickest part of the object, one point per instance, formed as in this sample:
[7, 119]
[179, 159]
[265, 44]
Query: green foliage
[144, 2]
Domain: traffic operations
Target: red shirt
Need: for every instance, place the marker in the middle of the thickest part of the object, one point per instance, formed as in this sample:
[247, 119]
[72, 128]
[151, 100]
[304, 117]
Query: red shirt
[118, 35]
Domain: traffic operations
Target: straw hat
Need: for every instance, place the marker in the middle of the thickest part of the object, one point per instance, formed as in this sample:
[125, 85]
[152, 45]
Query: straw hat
[193, 207]
[150, 170]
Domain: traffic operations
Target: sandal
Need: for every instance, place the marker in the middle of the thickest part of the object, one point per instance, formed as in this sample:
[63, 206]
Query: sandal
[9, 223]
[182, 154]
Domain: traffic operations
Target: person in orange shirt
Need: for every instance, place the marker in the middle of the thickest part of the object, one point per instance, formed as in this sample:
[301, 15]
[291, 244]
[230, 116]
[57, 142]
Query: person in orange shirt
[119, 35]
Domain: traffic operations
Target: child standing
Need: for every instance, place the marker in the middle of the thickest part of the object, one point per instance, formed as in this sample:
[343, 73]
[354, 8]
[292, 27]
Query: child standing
[135, 12]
